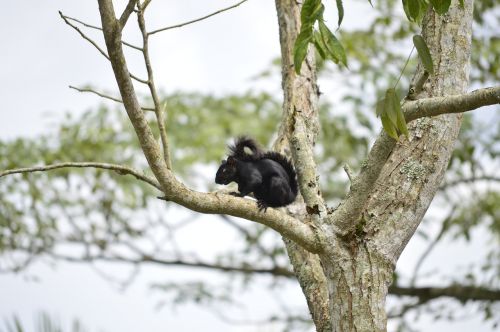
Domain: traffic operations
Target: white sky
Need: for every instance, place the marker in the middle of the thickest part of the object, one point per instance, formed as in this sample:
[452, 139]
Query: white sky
[41, 56]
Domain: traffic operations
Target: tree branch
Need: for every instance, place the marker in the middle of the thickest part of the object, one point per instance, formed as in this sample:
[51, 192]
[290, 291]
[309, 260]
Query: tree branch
[121, 170]
[174, 190]
[453, 183]
[84, 36]
[126, 13]
[97, 46]
[100, 29]
[451, 104]
[106, 96]
[159, 111]
[196, 20]
[246, 269]
[458, 292]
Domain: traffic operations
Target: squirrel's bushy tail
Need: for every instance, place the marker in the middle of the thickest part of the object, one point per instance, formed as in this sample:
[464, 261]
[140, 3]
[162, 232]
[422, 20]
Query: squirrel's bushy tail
[287, 166]
[239, 150]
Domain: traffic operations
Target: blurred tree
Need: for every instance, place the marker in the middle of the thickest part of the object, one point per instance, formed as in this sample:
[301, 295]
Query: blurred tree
[106, 216]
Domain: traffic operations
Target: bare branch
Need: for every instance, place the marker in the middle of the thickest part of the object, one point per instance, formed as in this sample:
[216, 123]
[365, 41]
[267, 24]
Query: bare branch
[416, 88]
[349, 173]
[100, 29]
[159, 110]
[83, 35]
[126, 13]
[174, 190]
[106, 96]
[444, 227]
[120, 169]
[197, 20]
[458, 292]
[97, 46]
[145, 4]
[448, 184]
[246, 269]
[451, 104]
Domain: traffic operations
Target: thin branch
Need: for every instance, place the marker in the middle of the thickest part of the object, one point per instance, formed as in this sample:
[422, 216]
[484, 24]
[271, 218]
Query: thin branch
[159, 110]
[196, 20]
[126, 13]
[458, 292]
[145, 4]
[106, 96]
[174, 190]
[444, 227]
[449, 184]
[349, 173]
[120, 169]
[100, 29]
[83, 35]
[97, 46]
[246, 269]
[416, 88]
[451, 104]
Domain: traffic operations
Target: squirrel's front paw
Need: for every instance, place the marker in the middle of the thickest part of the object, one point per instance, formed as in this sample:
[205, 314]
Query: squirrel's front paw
[262, 205]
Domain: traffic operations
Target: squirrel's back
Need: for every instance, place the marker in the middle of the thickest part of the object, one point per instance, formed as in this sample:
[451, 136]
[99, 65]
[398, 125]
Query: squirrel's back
[287, 166]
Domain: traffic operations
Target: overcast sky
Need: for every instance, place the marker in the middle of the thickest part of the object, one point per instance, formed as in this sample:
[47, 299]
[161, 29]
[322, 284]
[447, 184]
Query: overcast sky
[41, 56]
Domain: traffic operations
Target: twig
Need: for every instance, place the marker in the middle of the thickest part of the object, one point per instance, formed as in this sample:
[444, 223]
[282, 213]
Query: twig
[120, 169]
[100, 29]
[97, 46]
[105, 96]
[349, 173]
[126, 13]
[418, 86]
[83, 35]
[159, 111]
[145, 4]
[444, 228]
[446, 185]
[196, 20]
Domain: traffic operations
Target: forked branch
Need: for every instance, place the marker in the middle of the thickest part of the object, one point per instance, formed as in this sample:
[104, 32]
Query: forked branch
[173, 189]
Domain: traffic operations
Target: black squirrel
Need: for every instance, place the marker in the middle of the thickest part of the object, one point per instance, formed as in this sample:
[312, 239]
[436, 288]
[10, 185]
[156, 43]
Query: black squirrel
[269, 175]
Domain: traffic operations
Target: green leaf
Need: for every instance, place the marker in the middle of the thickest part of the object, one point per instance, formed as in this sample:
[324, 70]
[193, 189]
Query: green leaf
[333, 46]
[414, 9]
[300, 48]
[389, 127]
[423, 53]
[379, 108]
[441, 6]
[340, 8]
[401, 122]
[311, 11]
[320, 45]
[389, 106]
[407, 9]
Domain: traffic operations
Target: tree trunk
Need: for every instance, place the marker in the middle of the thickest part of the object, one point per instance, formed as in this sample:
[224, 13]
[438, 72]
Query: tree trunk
[357, 265]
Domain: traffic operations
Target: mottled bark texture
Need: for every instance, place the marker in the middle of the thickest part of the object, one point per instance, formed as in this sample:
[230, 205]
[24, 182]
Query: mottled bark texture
[363, 238]
[343, 258]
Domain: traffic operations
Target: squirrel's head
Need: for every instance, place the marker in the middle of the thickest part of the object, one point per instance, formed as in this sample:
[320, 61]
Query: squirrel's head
[226, 172]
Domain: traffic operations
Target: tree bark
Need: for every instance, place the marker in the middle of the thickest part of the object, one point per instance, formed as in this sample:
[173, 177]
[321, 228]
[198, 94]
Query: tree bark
[363, 245]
